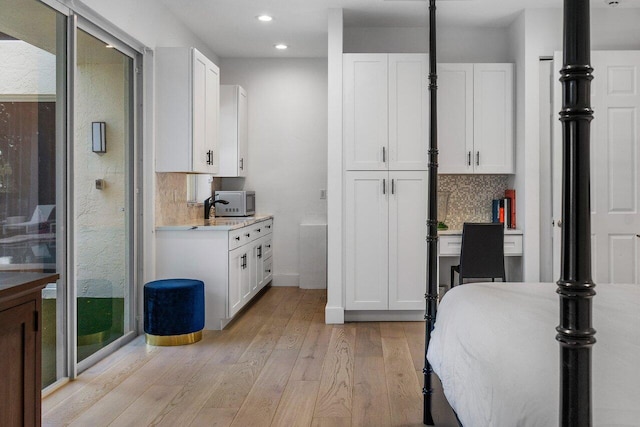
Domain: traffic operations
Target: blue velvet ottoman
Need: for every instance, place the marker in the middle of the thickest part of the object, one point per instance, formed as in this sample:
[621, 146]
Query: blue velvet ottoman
[173, 311]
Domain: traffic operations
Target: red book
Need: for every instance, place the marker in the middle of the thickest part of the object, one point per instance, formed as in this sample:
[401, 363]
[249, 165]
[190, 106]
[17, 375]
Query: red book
[501, 215]
[511, 195]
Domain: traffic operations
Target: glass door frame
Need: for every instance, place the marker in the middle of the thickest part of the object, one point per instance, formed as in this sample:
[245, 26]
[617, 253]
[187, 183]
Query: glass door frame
[132, 192]
[67, 366]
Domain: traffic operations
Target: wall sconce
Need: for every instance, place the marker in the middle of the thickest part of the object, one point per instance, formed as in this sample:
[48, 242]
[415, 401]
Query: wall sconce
[99, 137]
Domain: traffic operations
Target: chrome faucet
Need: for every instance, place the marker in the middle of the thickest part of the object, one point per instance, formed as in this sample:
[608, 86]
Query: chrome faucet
[209, 203]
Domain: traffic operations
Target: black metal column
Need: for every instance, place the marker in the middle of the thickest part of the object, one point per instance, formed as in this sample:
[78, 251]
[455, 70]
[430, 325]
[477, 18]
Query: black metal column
[431, 296]
[575, 287]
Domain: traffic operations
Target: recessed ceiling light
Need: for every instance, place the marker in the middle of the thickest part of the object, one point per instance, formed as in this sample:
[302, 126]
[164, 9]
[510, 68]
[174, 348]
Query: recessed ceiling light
[265, 18]
[280, 46]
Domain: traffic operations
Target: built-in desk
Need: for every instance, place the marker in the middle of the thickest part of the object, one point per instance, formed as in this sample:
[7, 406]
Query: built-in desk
[450, 243]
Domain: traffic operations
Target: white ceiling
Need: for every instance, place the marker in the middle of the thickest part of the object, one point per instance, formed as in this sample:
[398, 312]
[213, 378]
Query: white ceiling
[230, 27]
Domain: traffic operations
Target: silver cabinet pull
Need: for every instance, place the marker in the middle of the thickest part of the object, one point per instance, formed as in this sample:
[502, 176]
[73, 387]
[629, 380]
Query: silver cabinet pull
[384, 155]
[477, 158]
[469, 158]
[242, 164]
[393, 186]
[384, 186]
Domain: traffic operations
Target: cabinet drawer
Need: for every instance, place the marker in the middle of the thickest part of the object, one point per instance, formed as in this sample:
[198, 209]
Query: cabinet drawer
[267, 226]
[513, 244]
[260, 229]
[268, 250]
[268, 270]
[237, 238]
[450, 245]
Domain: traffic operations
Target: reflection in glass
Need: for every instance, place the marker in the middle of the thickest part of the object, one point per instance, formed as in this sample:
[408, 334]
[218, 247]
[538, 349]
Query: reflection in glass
[102, 209]
[31, 117]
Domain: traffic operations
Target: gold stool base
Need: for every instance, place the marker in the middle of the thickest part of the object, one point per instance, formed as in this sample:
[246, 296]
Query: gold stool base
[166, 340]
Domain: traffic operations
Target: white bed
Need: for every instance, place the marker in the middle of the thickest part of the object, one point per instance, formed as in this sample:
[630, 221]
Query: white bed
[494, 349]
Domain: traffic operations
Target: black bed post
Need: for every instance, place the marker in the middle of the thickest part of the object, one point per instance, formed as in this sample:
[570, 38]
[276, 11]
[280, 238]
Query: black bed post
[576, 288]
[431, 296]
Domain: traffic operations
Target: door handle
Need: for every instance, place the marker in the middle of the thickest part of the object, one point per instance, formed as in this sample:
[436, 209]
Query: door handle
[393, 186]
[384, 154]
[242, 164]
[469, 158]
[384, 186]
[477, 158]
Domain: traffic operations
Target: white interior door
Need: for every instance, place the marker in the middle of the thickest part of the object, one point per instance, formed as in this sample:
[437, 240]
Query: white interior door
[615, 157]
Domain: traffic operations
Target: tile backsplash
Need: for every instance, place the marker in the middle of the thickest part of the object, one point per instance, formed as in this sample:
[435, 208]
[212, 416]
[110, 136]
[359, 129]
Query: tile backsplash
[171, 200]
[470, 197]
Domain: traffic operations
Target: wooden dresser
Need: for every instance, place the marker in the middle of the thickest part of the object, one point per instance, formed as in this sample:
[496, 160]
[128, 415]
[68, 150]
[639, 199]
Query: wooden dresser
[20, 342]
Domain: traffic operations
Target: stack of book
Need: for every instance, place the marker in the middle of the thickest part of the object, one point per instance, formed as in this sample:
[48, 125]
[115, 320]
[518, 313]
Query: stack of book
[504, 209]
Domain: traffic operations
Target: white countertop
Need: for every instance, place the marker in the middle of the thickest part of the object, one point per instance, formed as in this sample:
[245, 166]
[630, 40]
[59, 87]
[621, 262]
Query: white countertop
[456, 232]
[217, 223]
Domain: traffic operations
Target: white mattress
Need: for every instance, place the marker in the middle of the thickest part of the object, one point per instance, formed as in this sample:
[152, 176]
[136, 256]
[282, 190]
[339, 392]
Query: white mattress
[495, 351]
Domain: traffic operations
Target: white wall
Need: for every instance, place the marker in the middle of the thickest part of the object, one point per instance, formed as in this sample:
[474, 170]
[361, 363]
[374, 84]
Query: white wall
[287, 165]
[454, 44]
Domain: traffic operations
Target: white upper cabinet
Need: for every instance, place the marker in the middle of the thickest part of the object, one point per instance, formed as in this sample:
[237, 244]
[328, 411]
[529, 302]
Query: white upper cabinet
[187, 107]
[475, 118]
[233, 131]
[385, 111]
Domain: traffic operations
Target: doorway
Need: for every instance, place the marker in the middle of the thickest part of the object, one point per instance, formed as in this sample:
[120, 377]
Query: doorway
[615, 167]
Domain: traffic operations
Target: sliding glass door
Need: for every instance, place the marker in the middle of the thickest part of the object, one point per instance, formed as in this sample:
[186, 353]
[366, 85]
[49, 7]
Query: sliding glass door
[68, 93]
[32, 143]
[102, 197]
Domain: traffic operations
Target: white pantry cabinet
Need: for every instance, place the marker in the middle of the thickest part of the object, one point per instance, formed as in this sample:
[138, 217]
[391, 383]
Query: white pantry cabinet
[233, 264]
[386, 117]
[187, 108]
[233, 131]
[385, 229]
[475, 118]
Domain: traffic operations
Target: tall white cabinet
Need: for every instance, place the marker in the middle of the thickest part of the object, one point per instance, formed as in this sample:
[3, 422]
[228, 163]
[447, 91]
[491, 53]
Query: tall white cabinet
[385, 142]
[187, 111]
[233, 131]
[475, 118]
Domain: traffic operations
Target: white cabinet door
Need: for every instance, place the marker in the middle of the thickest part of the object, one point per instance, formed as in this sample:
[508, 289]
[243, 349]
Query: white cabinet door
[493, 118]
[238, 277]
[365, 111]
[233, 131]
[407, 245]
[455, 118]
[366, 229]
[187, 109]
[408, 112]
[243, 132]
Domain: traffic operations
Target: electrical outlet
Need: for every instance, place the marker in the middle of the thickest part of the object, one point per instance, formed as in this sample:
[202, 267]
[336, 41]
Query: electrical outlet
[323, 194]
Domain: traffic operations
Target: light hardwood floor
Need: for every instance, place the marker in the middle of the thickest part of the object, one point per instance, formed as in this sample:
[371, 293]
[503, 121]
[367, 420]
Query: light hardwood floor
[277, 365]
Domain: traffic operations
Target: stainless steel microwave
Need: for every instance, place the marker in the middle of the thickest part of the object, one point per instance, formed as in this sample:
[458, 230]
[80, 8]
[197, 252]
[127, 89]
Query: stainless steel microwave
[241, 203]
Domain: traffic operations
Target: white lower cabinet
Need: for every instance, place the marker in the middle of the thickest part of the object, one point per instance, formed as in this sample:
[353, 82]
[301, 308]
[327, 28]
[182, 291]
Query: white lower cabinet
[385, 240]
[234, 265]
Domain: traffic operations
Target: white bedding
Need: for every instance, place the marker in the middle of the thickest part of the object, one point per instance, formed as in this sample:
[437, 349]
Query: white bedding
[495, 351]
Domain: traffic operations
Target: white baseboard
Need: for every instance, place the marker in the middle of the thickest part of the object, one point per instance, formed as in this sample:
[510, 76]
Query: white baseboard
[384, 316]
[334, 315]
[290, 279]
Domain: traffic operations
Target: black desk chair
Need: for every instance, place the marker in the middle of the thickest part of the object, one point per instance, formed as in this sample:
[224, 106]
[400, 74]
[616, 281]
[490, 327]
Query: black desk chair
[482, 252]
